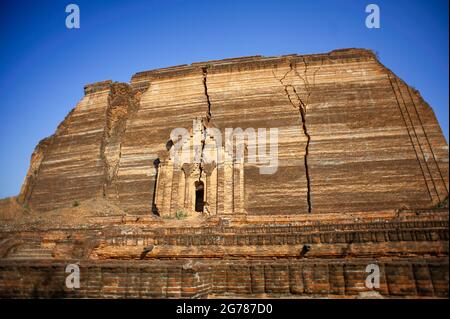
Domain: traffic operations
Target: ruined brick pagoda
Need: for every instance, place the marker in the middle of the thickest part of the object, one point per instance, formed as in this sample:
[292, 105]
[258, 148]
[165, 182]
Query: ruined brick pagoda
[361, 178]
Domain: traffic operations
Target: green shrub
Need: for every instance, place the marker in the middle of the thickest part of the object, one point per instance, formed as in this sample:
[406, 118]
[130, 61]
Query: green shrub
[75, 204]
[443, 203]
[180, 214]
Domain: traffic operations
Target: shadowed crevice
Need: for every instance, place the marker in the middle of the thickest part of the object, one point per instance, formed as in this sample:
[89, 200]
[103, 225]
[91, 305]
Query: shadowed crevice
[301, 106]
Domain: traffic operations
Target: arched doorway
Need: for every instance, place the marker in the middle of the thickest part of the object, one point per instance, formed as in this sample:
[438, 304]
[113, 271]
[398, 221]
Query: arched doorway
[199, 196]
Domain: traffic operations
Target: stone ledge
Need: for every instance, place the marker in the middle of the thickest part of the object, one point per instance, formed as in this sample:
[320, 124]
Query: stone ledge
[97, 86]
[255, 61]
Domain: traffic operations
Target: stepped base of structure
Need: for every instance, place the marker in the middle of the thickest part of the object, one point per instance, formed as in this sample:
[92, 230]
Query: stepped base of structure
[302, 256]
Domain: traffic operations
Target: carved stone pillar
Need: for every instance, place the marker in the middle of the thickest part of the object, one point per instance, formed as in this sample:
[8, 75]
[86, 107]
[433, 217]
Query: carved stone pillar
[181, 189]
[214, 192]
[228, 188]
[175, 190]
[220, 188]
[188, 169]
[168, 176]
[210, 187]
[236, 189]
[159, 197]
[241, 186]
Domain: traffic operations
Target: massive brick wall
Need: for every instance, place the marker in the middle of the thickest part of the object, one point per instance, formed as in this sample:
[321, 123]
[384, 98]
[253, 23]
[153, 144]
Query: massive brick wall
[352, 135]
[70, 167]
[172, 279]
[170, 102]
[410, 248]
[369, 149]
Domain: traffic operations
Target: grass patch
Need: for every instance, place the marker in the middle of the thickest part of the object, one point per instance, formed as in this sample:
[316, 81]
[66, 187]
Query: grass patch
[443, 203]
[180, 214]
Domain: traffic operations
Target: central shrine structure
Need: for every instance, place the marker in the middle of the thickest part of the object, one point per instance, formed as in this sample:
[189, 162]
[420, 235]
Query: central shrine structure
[201, 177]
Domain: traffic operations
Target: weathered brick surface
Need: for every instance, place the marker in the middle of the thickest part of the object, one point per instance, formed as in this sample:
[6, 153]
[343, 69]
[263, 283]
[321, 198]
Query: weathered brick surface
[302, 277]
[362, 179]
[188, 263]
[373, 143]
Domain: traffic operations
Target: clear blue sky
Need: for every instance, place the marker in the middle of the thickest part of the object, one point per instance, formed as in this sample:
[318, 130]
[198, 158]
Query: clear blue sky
[44, 65]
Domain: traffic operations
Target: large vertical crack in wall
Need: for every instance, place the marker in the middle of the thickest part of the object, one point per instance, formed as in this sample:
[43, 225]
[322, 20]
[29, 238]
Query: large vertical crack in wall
[205, 85]
[208, 118]
[302, 109]
[301, 105]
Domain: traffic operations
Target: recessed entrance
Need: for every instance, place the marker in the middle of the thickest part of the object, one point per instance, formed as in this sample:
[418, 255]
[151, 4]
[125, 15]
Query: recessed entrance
[199, 196]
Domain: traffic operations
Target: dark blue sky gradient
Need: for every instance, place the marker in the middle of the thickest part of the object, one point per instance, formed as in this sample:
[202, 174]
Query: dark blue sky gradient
[44, 66]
